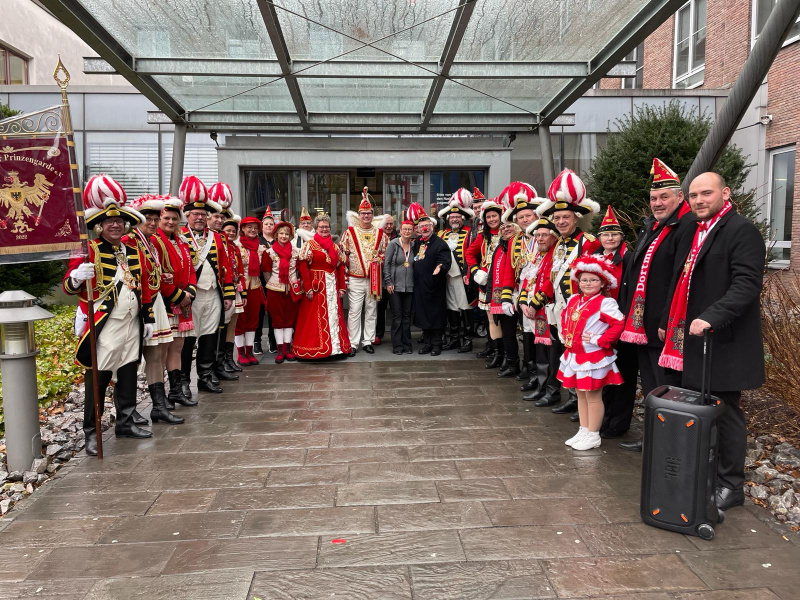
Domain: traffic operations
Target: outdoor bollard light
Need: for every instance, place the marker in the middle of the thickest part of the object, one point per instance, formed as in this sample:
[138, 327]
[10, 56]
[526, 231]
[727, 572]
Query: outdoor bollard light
[18, 367]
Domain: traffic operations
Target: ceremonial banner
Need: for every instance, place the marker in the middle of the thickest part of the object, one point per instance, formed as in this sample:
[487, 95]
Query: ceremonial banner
[40, 207]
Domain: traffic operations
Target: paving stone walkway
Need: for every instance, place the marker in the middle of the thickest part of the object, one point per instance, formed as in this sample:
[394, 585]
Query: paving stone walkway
[423, 479]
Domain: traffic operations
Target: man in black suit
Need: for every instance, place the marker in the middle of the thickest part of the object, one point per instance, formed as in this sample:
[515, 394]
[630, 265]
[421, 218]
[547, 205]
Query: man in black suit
[724, 263]
[644, 291]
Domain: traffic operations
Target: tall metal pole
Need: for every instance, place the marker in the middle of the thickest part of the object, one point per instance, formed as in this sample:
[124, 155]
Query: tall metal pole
[547, 154]
[178, 152]
[755, 69]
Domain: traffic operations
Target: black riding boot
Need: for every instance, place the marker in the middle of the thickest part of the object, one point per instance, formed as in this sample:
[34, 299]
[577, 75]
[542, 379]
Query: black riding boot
[186, 365]
[469, 323]
[527, 356]
[89, 421]
[205, 364]
[176, 391]
[125, 400]
[159, 411]
[220, 368]
[499, 355]
[488, 350]
[230, 364]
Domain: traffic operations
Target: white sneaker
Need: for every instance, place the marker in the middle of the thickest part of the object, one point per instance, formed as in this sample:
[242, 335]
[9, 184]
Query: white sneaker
[591, 439]
[581, 431]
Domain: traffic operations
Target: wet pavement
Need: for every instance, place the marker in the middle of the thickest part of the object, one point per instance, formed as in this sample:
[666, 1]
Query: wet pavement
[423, 479]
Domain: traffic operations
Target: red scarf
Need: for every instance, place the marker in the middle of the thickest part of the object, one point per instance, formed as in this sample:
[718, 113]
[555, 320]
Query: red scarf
[542, 327]
[672, 355]
[499, 266]
[284, 252]
[180, 275]
[329, 247]
[253, 260]
[634, 332]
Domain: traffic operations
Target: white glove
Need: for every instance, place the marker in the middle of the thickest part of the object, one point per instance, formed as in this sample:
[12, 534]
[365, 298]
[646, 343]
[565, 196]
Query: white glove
[83, 272]
[508, 309]
[80, 321]
[480, 277]
[148, 331]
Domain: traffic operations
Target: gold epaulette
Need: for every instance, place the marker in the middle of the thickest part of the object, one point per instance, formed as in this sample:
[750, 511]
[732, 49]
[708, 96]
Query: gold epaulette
[589, 237]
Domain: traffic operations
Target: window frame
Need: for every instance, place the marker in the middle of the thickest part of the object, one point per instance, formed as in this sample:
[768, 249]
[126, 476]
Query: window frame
[773, 152]
[754, 35]
[692, 4]
[638, 79]
[5, 66]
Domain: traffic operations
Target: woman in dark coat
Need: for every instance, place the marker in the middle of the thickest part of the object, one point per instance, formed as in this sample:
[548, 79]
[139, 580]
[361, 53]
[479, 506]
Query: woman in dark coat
[432, 258]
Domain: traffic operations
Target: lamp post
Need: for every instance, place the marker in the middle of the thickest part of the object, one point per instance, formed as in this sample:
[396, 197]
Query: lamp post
[18, 366]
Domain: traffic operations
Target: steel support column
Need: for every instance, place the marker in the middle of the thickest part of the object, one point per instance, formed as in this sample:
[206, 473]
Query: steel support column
[178, 153]
[755, 69]
[547, 154]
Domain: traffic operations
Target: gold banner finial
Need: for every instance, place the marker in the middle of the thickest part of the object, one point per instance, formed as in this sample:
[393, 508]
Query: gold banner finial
[61, 75]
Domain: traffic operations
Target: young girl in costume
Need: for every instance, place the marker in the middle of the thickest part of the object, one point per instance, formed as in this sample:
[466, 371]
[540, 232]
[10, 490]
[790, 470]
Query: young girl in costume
[591, 324]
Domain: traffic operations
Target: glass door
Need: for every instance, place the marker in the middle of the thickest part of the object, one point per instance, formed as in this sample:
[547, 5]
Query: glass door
[328, 193]
[399, 191]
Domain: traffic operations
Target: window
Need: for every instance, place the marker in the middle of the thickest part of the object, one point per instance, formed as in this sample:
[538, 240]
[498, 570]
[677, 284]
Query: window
[761, 12]
[445, 183]
[278, 189]
[690, 45]
[781, 198]
[635, 83]
[399, 191]
[13, 68]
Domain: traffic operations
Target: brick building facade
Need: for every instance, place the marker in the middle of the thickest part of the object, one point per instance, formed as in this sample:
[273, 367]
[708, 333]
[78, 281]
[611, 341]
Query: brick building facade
[729, 31]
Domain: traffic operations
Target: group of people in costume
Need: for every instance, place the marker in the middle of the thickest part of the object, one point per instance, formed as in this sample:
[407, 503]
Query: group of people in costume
[595, 317]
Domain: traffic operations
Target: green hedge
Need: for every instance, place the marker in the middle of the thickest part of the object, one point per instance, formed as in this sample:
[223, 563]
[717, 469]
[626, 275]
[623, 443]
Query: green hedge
[56, 370]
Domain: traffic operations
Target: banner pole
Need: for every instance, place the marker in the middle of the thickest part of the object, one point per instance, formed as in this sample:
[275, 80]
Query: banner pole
[61, 75]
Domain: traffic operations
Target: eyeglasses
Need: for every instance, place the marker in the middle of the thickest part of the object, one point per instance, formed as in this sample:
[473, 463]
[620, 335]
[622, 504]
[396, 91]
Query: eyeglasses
[592, 280]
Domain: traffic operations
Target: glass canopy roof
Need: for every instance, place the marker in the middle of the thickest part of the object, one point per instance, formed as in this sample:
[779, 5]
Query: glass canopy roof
[362, 65]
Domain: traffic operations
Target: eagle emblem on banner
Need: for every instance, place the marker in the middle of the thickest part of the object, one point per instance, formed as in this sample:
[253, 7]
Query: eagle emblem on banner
[20, 200]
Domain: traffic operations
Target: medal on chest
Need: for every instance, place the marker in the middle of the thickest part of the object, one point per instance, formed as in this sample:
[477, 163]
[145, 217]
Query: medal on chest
[421, 252]
[127, 277]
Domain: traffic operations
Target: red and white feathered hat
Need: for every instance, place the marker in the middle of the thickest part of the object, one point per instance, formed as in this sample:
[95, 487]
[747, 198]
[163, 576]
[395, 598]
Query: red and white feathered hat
[460, 203]
[543, 223]
[232, 219]
[593, 263]
[567, 192]
[417, 214]
[104, 198]
[221, 194]
[149, 203]
[172, 203]
[194, 195]
[491, 204]
[518, 196]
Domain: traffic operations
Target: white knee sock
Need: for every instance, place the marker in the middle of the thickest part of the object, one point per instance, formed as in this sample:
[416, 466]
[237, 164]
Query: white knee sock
[287, 335]
[278, 336]
[239, 341]
[249, 338]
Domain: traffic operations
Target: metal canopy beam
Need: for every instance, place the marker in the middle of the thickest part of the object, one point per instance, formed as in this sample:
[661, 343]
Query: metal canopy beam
[270, 16]
[640, 26]
[459, 26]
[270, 68]
[79, 20]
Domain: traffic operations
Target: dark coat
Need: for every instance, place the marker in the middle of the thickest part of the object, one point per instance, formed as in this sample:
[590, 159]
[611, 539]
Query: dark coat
[430, 291]
[725, 291]
[662, 269]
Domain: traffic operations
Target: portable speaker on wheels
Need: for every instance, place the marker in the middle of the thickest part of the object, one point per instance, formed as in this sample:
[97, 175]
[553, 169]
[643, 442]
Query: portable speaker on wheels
[679, 463]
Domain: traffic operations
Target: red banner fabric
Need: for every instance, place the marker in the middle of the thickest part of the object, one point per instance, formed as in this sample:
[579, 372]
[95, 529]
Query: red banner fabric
[37, 199]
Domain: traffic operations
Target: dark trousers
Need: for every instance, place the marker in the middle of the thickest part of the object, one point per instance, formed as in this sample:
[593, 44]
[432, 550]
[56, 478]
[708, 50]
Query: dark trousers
[510, 345]
[187, 355]
[619, 400]
[651, 374]
[433, 337]
[732, 442]
[380, 324]
[264, 316]
[401, 319]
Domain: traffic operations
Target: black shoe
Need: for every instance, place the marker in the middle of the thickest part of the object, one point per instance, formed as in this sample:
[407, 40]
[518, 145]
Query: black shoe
[369, 349]
[436, 351]
[134, 431]
[178, 386]
[91, 443]
[611, 434]
[528, 370]
[139, 420]
[225, 376]
[408, 351]
[230, 364]
[273, 348]
[214, 379]
[487, 350]
[568, 407]
[257, 349]
[496, 362]
[511, 369]
[728, 498]
[632, 446]
[530, 386]
[549, 399]
[466, 346]
[159, 411]
[397, 351]
[574, 417]
[207, 385]
[453, 344]
[352, 353]
[426, 349]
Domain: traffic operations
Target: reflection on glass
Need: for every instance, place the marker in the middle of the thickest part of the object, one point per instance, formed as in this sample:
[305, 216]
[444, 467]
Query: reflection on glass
[445, 183]
[327, 192]
[17, 73]
[399, 191]
[280, 190]
[782, 196]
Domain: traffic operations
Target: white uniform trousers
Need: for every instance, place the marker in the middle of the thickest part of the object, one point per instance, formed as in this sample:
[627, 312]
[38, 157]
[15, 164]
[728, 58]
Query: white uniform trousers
[118, 342]
[528, 325]
[206, 310]
[360, 301]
